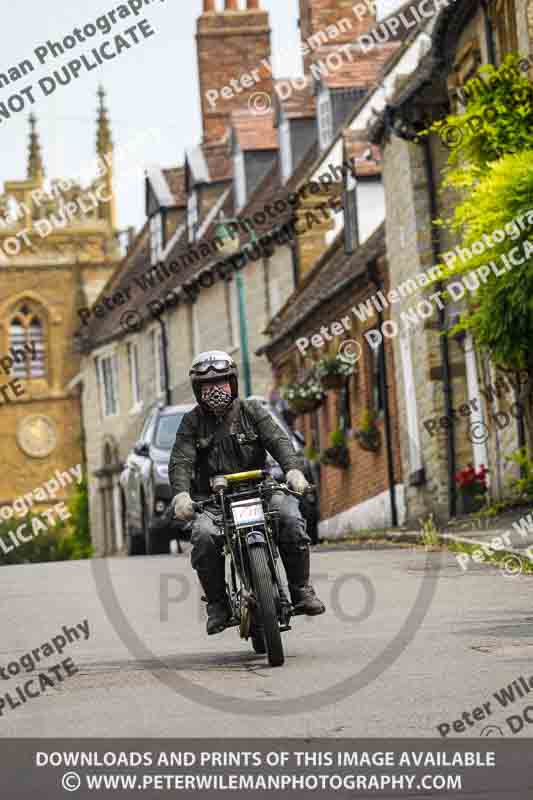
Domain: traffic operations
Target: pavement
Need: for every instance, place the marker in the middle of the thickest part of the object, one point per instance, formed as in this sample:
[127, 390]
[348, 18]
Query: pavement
[410, 641]
[514, 528]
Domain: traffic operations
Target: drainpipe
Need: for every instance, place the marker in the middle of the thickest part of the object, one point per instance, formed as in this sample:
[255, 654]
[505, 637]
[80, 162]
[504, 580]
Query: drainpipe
[164, 340]
[296, 269]
[386, 411]
[243, 330]
[444, 343]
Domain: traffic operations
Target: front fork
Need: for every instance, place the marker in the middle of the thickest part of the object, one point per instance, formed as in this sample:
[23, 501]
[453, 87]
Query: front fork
[283, 603]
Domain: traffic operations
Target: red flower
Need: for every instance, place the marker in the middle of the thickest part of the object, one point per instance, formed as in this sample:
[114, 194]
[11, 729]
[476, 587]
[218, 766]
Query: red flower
[469, 475]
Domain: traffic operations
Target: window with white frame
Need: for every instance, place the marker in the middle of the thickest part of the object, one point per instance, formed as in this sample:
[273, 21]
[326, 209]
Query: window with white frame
[27, 343]
[325, 120]
[192, 215]
[133, 363]
[156, 238]
[230, 295]
[285, 147]
[158, 359]
[107, 372]
[240, 179]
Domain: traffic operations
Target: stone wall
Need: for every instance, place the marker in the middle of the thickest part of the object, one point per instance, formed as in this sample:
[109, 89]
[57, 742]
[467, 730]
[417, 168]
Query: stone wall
[408, 233]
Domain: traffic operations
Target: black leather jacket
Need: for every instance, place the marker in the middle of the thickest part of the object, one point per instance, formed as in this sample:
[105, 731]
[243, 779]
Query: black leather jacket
[253, 432]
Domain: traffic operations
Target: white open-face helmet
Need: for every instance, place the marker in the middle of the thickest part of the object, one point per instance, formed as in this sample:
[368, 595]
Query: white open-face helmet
[213, 365]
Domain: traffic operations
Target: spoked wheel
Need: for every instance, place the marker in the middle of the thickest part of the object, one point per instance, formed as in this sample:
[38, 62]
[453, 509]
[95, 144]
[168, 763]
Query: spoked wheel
[265, 596]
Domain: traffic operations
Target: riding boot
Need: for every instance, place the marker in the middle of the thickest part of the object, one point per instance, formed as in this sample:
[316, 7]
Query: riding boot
[214, 586]
[297, 565]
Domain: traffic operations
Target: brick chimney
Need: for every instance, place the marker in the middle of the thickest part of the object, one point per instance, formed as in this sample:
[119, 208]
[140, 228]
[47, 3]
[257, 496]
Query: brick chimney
[231, 43]
[350, 19]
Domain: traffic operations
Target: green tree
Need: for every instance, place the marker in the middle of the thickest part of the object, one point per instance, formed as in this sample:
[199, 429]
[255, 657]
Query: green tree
[497, 121]
[493, 171]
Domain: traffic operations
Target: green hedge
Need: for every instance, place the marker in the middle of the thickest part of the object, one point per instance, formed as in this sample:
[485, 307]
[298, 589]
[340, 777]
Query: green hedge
[64, 541]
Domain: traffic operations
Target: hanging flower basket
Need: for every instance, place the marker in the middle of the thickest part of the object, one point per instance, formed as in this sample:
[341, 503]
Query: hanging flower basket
[338, 456]
[369, 440]
[368, 435]
[301, 405]
[333, 371]
[302, 398]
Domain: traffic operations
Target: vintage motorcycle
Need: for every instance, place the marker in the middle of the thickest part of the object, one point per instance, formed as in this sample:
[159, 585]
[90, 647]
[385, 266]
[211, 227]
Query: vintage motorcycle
[259, 604]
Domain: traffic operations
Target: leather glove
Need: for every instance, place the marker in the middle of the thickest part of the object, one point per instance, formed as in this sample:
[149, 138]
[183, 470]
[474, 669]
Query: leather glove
[297, 481]
[183, 507]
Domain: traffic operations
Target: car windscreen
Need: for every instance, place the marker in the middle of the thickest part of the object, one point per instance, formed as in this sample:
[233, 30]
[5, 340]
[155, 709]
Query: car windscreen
[167, 428]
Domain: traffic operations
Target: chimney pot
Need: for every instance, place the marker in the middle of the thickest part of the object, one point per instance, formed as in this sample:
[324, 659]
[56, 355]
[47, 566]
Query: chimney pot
[209, 5]
[252, 4]
[232, 5]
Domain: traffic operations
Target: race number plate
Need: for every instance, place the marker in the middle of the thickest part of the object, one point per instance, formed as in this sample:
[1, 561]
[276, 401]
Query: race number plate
[247, 514]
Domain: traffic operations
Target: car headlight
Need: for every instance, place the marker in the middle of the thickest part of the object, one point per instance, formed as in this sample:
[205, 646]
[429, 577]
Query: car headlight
[161, 470]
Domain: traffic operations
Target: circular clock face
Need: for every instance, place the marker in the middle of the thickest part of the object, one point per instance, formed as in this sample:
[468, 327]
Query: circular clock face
[37, 435]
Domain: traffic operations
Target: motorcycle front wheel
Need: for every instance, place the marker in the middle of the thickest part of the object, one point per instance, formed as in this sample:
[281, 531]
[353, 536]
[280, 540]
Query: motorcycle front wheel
[257, 636]
[265, 596]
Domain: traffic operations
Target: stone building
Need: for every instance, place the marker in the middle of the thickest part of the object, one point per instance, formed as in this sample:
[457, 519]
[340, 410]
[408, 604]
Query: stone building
[438, 375]
[220, 254]
[58, 247]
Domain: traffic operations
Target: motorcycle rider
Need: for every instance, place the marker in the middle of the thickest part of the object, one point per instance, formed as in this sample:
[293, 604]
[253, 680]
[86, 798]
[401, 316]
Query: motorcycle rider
[223, 435]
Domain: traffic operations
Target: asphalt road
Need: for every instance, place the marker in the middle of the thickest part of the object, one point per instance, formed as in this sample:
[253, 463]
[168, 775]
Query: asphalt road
[409, 642]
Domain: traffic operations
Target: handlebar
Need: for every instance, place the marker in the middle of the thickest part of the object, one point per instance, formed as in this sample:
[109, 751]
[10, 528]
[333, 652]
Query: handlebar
[199, 505]
[253, 474]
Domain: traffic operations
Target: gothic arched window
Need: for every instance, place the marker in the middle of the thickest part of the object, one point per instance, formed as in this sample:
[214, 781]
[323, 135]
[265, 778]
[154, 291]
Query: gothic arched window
[27, 343]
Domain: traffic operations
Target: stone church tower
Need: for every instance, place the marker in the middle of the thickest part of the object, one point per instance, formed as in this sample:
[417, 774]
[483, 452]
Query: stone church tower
[58, 247]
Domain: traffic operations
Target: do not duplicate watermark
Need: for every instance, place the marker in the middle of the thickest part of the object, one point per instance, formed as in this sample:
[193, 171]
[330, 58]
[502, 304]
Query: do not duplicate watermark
[46, 678]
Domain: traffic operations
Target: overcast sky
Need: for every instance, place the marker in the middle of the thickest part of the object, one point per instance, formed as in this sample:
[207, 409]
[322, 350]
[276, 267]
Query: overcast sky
[153, 85]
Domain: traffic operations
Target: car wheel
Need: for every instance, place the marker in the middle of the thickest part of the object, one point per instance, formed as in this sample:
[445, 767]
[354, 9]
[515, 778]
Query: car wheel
[134, 544]
[147, 534]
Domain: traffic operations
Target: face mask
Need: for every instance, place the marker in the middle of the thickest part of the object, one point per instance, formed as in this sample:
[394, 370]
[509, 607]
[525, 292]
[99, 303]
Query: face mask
[217, 398]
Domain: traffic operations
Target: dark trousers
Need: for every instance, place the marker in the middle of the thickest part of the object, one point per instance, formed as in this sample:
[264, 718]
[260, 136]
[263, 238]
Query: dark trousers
[293, 541]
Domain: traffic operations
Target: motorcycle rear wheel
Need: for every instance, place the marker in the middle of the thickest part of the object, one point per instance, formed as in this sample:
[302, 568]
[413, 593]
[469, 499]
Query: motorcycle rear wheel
[264, 592]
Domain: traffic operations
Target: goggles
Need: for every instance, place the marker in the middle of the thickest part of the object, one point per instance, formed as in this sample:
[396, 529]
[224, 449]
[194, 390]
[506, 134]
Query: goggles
[206, 366]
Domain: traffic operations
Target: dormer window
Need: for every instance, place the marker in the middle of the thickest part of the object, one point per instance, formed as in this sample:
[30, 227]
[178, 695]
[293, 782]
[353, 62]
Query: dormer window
[286, 152]
[156, 238]
[192, 215]
[240, 180]
[325, 120]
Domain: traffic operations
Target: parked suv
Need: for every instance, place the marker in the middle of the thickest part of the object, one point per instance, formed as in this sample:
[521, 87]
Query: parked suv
[145, 484]
[147, 494]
